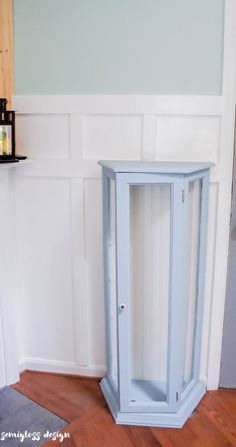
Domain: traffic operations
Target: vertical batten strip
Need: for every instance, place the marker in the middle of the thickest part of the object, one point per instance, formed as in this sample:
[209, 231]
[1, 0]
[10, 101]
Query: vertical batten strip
[77, 136]
[79, 273]
[149, 137]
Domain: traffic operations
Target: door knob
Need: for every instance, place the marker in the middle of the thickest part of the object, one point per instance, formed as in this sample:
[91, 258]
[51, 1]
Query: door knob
[122, 306]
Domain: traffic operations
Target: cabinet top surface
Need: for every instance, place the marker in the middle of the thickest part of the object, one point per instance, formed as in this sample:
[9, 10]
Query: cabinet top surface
[157, 167]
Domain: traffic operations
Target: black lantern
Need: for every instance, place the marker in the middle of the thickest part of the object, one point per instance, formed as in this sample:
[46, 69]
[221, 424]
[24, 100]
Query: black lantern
[7, 132]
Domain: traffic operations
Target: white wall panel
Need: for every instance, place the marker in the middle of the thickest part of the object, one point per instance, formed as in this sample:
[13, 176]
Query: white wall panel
[44, 265]
[188, 138]
[111, 137]
[43, 136]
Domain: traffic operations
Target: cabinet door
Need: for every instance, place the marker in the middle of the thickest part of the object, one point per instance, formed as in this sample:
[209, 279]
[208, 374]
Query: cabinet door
[150, 281]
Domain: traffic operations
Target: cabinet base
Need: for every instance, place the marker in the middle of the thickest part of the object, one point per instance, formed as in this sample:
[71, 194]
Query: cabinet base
[175, 420]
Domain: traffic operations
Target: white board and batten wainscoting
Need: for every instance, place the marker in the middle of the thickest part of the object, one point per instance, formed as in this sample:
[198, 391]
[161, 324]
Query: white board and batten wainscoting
[60, 311]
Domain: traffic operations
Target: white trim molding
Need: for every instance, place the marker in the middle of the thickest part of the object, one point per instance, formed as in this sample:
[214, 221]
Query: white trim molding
[8, 337]
[57, 366]
[224, 200]
[118, 104]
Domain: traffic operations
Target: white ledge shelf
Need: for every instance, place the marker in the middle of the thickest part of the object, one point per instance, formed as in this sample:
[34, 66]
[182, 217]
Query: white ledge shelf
[10, 165]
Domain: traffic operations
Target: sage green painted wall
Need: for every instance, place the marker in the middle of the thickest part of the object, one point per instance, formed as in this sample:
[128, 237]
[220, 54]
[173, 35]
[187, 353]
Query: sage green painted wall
[118, 46]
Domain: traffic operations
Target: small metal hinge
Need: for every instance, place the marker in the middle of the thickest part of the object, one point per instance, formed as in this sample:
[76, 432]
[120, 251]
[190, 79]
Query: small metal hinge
[183, 195]
[177, 396]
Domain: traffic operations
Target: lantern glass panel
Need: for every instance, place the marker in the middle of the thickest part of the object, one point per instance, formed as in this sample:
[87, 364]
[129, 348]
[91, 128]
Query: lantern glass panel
[150, 245]
[112, 285]
[5, 139]
[194, 214]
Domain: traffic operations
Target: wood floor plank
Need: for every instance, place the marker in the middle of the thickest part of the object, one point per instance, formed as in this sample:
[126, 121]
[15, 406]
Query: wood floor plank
[206, 432]
[98, 431]
[67, 397]
[222, 414]
[80, 402]
[170, 437]
[142, 437]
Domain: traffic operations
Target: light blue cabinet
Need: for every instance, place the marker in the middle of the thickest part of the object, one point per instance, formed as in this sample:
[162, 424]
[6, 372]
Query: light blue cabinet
[155, 224]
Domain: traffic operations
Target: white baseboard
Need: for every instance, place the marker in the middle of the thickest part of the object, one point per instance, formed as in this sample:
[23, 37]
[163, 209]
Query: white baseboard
[203, 379]
[55, 366]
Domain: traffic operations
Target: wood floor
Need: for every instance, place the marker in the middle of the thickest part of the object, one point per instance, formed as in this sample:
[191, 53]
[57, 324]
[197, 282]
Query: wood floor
[80, 402]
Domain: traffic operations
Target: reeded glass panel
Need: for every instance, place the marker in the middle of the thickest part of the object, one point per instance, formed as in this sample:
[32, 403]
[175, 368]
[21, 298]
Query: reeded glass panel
[150, 220]
[112, 284]
[195, 188]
